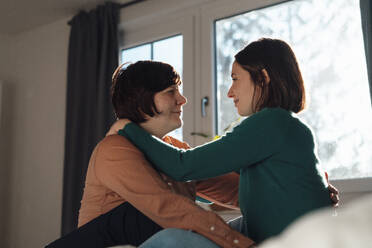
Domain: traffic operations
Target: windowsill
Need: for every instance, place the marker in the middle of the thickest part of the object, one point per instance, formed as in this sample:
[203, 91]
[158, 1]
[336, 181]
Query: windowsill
[354, 185]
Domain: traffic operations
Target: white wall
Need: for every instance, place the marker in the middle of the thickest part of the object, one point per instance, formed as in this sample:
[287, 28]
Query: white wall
[36, 125]
[4, 55]
[5, 64]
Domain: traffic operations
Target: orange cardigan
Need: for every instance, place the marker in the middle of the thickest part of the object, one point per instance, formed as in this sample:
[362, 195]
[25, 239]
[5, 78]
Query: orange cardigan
[119, 172]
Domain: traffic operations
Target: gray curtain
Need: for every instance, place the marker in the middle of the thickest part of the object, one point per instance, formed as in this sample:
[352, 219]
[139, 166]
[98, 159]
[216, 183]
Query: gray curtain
[366, 14]
[92, 59]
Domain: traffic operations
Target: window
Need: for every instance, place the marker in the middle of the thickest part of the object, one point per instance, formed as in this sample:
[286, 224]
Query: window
[332, 61]
[168, 50]
[141, 52]
[324, 34]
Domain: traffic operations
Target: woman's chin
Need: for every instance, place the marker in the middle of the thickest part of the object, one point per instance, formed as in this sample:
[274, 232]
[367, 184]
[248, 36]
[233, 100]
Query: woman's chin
[180, 123]
[244, 113]
[177, 123]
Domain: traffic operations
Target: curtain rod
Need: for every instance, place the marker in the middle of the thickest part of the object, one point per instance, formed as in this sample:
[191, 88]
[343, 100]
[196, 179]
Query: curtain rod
[124, 5]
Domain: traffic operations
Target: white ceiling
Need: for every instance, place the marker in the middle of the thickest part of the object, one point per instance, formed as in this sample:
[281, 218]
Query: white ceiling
[21, 15]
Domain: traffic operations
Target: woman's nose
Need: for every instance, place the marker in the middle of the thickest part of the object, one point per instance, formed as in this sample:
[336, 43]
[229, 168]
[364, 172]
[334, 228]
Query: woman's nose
[181, 99]
[230, 93]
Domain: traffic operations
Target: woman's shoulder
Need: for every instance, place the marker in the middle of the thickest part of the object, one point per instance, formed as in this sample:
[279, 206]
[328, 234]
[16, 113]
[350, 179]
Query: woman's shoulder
[111, 144]
[270, 117]
[274, 112]
[273, 122]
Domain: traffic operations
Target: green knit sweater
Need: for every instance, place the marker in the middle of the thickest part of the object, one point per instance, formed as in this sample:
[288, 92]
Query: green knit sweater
[280, 178]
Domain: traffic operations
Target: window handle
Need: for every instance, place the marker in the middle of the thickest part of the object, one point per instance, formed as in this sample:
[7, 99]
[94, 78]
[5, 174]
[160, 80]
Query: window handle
[204, 103]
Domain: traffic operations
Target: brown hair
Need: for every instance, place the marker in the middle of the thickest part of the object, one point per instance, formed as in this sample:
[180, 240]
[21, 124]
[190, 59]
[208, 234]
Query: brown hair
[286, 87]
[133, 88]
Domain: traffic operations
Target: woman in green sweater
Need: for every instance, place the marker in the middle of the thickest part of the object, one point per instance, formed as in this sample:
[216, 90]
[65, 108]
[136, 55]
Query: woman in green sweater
[272, 149]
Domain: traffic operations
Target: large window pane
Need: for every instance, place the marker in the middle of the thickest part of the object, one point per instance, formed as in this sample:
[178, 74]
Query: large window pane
[167, 50]
[327, 39]
[134, 54]
[170, 51]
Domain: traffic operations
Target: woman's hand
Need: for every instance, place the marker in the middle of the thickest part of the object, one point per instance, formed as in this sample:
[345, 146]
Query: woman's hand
[119, 124]
[333, 192]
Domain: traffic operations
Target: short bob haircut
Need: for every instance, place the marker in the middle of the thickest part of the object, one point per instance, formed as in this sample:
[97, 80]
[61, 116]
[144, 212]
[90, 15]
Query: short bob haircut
[133, 88]
[286, 87]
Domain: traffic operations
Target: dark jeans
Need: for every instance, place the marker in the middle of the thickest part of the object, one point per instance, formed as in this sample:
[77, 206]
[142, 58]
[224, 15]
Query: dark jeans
[121, 226]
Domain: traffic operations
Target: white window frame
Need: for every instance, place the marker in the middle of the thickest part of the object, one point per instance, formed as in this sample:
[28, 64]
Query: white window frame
[194, 19]
[160, 24]
[209, 14]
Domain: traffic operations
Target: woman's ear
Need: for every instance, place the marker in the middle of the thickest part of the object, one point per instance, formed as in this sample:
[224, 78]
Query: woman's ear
[266, 76]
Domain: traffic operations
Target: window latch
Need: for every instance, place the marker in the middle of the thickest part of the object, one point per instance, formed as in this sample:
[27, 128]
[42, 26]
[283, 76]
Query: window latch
[204, 103]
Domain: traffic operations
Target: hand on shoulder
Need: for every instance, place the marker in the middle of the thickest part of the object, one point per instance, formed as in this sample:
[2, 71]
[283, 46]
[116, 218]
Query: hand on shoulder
[119, 124]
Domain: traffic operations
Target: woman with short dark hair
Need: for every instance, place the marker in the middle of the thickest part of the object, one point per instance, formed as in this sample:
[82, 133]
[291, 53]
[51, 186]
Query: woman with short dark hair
[134, 87]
